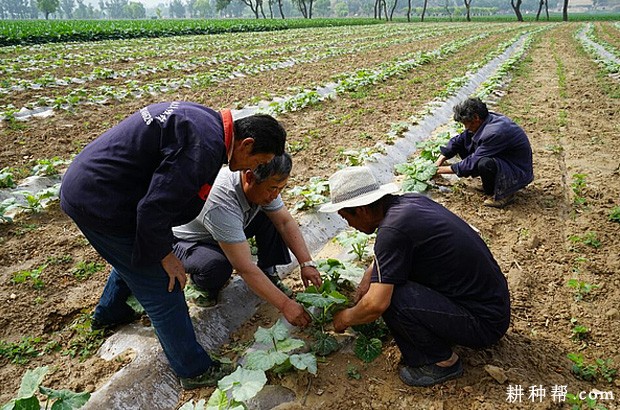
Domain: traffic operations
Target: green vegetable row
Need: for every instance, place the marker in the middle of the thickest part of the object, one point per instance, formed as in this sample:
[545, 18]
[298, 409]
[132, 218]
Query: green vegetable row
[14, 32]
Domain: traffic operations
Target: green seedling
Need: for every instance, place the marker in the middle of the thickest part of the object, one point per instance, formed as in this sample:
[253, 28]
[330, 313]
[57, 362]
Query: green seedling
[592, 371]
[297, 146]
[312, 194]
[359, 157]
[59, 399]
[233, 391]
[417, 174]
[368, 345]
[84, 270]
[6, 178]
[578, 403]
[32, 275]
[36, 201]
[340, 273]
[20, 352]
[6, 206]
[321, 303]
[48, 167]
[353, 373]
[589, 239]
[579, 189]
[555, 149]
[581, 288]
[86, 341]
[274, 351]
[358, 241]
[430, 148]
[579, 332]
[614, 214]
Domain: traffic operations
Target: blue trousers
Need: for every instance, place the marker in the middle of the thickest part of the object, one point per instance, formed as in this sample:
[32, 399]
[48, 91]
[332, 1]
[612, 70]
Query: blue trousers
[425, 325]
[167, 311]
[209, 267]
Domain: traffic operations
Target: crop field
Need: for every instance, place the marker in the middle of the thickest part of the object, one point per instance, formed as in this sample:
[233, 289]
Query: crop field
[346, 95]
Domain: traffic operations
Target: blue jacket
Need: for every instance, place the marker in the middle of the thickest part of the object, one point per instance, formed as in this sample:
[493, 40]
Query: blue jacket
[149, 173]
[500, 138]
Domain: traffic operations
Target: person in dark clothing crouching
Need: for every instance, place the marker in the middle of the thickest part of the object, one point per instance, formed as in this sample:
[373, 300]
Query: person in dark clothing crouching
[433, 279]
[492, 147]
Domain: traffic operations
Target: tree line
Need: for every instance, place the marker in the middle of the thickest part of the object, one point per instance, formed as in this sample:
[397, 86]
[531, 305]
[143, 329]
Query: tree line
[270, 9]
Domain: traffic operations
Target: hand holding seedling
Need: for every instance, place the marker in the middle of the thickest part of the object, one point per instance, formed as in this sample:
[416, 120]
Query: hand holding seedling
[310, 274]
[175, 270]
[295, 314]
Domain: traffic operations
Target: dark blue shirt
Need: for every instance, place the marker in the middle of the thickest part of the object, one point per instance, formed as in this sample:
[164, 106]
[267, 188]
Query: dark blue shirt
[419, 240]
[147, 174]
[500, 138]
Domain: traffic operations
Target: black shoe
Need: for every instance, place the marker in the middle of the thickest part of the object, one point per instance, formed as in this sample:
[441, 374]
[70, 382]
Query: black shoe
[96, 324]
[430, 374]
[208, 378]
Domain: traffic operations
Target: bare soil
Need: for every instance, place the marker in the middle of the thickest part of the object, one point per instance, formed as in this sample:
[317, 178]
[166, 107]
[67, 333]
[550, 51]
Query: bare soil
[567, 107]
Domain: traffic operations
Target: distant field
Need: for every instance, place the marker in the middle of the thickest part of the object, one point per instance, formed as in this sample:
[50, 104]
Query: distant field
[16, 32]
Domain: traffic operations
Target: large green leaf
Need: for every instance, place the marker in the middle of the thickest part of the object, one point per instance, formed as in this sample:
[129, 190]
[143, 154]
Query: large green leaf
[367, 349]
[304, 361]
[325, 344]
[31, 381]
[243, 383]
[27, 403]
[65, 399]
[217, 401]
[264, 360]
[319, 300]
[289, 344]
[277, 332]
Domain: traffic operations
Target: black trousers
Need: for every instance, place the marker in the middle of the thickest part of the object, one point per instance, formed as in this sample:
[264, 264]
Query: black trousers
[487, 168]
[210, 269]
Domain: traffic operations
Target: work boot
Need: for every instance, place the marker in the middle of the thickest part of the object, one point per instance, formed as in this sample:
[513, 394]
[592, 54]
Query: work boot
[209, 378]
[499, 203]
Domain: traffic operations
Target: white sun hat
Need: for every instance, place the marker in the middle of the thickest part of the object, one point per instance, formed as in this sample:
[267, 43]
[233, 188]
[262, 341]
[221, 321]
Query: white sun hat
[355, 186]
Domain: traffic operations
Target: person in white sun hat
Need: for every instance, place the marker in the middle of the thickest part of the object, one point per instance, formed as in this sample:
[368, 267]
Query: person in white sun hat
[433, 279]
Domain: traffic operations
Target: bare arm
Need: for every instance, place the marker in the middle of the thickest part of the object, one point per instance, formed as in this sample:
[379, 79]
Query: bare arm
[368, 309]
[239, 256]
[288, 228]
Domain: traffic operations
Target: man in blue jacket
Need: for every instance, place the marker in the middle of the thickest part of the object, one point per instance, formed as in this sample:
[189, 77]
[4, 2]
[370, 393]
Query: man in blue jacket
[130, 186]
[492, 147]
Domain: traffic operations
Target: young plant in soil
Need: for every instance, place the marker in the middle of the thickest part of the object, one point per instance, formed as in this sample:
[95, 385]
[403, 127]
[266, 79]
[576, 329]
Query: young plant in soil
[429, 149]
[6, 178]
[614, 214]
[321, 303]
[417, 174]
[232, 391]
[274, 351]
[31, 385]
[312, 194]
[581, 288]
[599, 369]
[358, 241]
[368, 345]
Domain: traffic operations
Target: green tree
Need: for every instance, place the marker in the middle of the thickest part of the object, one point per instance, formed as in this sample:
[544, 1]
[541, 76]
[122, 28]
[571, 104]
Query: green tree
[134, 10]
[48, 7]
[203, 8]
[340, 9]
[322, 8]
[177, 9]
[67, 7]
